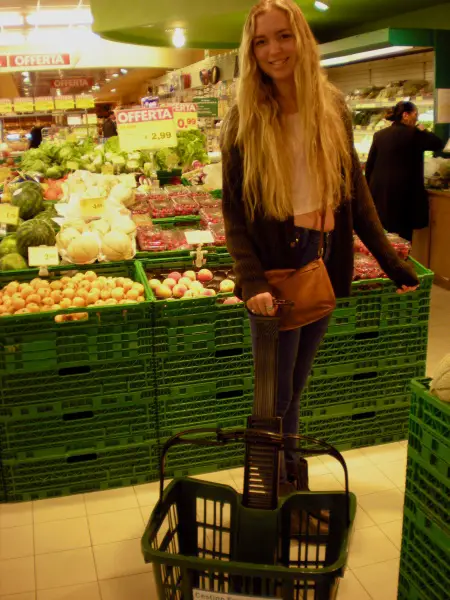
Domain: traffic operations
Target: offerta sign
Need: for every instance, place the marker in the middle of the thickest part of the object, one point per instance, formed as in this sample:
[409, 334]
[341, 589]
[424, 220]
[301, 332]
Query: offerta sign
[146, 128]
[185, 116]
[74, 82]
[3, 61]
[39, 60]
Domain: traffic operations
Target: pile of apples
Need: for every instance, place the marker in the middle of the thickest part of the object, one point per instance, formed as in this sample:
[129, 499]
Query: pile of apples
[80, 291]
[178, 286]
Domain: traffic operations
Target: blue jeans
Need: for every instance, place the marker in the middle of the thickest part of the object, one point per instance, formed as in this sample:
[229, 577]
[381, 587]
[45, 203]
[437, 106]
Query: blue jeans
[297, 350]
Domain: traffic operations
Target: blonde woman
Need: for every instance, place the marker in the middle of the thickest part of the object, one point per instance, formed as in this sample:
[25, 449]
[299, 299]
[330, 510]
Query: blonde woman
[288, 156]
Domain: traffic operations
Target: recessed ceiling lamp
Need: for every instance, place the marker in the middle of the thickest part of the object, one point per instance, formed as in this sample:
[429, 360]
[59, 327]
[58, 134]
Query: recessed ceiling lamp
[113, 90]
[360, 56]
[25, 74]
[321, 5]
[11, 19]
[124, 71]
[107, 80]
[178, 38]
[115, 74]
[58, 92]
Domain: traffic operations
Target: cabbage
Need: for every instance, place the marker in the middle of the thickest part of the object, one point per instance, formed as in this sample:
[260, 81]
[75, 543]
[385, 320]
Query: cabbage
[54, 173]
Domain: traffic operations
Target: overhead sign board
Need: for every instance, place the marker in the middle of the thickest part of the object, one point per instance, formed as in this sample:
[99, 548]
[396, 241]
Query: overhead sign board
[39, 60]
[3, 61]
[72, 82]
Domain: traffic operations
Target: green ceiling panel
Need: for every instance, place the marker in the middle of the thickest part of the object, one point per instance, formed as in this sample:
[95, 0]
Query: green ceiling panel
[218, 23]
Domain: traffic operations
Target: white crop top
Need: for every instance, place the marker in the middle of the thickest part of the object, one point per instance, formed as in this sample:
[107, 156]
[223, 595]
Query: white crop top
[305, 198]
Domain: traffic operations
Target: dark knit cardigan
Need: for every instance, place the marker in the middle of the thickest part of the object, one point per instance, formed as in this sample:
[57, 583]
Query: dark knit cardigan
[264, 243]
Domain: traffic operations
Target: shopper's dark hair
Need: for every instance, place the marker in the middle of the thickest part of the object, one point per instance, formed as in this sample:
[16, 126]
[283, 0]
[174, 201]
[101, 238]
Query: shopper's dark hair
[396, 113]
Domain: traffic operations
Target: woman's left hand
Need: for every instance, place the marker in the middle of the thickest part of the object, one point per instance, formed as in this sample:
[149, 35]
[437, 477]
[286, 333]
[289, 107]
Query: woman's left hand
[405, 289]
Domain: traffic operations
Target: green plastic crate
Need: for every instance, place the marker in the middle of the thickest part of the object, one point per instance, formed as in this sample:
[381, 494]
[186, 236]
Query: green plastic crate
[408, 591]
[433, 417]
[425, 556]
[75, 382]
[356, 430]
[207, 404]
[360, 406]
[350, 386]
[186, 460]
[375, 304]
[97, 423]
[380, 348]
[186, 369]
[226, 326]
[429, 489]
[215, 256]
[81, 472]
[422, 444]
[36, 342]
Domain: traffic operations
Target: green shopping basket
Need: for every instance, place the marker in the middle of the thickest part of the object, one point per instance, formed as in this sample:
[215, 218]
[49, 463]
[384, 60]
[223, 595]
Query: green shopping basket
[206, 545]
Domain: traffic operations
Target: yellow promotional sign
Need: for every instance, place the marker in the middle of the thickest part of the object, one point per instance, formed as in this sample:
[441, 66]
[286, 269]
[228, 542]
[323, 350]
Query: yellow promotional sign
[92, 207]
[185, 116]
[23, 105]
[6, 106]
[9, 214]
[146, 128]
[44, 103]
[64, 102]
[39, 256]
[84, 101]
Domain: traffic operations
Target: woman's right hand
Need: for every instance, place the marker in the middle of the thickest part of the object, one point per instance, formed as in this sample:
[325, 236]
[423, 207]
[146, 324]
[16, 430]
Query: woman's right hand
[262, 305]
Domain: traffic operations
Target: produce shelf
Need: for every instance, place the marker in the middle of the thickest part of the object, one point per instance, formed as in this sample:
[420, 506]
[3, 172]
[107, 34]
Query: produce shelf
[95, 424]
[70, 383]
[355, 430]
[366, 384]
[76, 473]
[379, 348]
[36, 342]
[183, 370]
[375, 304]
[425, 554]
[213, 403]
[429, 489]
[431, 418]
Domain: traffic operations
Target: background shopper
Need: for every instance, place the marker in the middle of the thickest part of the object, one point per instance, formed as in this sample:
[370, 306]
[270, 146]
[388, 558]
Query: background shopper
[395, 171]
[288, 157]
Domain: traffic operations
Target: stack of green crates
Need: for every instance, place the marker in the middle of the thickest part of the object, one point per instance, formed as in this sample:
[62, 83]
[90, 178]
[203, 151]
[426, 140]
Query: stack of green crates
[77, 399]
[358, 392]
[425, 556]
[204, 368]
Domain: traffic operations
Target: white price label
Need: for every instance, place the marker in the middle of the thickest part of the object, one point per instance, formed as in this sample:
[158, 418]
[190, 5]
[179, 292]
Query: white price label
[39, 256]
[199, 237]
[205, 595]
[9, 214]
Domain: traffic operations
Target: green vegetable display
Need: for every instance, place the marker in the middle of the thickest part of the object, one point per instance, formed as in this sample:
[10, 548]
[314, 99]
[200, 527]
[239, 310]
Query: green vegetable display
[13, 262]
[8, 245]
[34, 233]
[28, 197]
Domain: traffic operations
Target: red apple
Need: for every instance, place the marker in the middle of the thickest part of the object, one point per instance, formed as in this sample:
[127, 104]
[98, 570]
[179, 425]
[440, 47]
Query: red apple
[232, 300]
[170, 282]
[185, 281]
[179, 290]
[190, 275]
[175, 275]
[227, 286]
[208, 292]
[204, 275]
[163, 291]
[196, 285]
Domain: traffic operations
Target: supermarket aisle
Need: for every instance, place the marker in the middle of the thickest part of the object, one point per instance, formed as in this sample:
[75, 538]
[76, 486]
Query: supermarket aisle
[88, 547]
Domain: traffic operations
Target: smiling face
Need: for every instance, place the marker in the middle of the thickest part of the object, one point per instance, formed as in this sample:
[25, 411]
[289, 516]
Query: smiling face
[274, 45]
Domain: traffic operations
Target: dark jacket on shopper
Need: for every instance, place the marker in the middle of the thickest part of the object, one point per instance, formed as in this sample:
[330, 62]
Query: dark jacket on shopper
[262, 244]
[109, 128]
[395, 173]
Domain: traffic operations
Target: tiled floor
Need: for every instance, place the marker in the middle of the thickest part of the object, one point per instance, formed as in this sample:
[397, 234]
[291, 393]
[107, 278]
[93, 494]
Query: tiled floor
[88, 547]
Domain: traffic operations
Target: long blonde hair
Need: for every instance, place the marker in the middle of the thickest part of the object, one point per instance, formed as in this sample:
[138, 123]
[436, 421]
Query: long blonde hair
[267, 160]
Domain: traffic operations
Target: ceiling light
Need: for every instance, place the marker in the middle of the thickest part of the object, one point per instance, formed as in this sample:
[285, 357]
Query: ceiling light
[124, 71]
[322, 6]
[25, 74]
[58, 92]
[113, 90]
[11, 19]
[78, 16]
[115, 75]
[178, 38]
[359, 56]
[107, 80]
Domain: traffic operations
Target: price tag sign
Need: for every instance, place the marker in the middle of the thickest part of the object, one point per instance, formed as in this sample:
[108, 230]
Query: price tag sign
[39, 256]
[194, 238]
[92, 207]
[6, 106]
[9, 214]
[146, 128]
[44, 103]
[84, 101]
[23, 105]
[64, 102]
[185, 116]
[207, 595]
